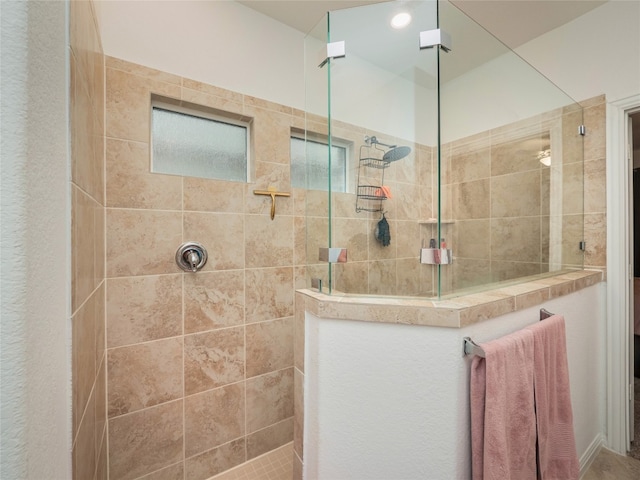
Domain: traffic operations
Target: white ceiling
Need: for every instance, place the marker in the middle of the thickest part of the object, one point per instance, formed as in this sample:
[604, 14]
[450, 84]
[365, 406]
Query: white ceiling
[302, 15]
[514, 22]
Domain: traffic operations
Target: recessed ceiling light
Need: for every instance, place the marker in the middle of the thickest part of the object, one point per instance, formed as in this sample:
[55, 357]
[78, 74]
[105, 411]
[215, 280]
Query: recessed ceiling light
[401, 20]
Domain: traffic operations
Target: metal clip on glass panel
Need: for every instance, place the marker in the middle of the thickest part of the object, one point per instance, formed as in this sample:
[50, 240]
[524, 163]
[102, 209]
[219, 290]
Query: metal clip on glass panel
[432, 38]
[334, 50]
[436, 256]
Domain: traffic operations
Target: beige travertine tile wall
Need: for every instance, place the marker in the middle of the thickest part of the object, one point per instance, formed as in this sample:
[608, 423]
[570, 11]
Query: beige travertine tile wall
[87, 244]
[499, 198]
[372, 267]
[298, 385]
[200, 366]
[595, 202]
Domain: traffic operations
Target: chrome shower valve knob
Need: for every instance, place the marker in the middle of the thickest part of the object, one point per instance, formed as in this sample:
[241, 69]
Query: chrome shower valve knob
[191, 256]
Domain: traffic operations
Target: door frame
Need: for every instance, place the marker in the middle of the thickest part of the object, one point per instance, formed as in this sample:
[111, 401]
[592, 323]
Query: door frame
[619, 275]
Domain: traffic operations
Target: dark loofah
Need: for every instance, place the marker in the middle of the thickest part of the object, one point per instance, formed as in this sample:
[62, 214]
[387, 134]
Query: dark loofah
[383, 234]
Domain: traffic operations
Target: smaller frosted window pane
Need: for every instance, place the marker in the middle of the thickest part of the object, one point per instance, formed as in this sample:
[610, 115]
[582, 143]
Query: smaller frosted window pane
[198, 147]
[312, 172]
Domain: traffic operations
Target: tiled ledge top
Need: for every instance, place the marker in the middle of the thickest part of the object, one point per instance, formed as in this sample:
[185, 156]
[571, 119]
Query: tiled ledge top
[454, 312]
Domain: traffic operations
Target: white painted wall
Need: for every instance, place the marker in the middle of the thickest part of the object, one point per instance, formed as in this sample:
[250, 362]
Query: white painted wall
[391, 401]
[222, 43]
[497, 93]
[35, 229]
[597, 53]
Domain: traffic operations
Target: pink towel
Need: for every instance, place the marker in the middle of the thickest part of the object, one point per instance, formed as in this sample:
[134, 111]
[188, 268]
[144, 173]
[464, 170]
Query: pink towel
[557, 457]
[503, 424]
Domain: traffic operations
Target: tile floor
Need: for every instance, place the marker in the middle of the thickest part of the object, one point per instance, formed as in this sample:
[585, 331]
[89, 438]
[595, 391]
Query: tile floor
[277, 465]
[611, 466]
[274, 465]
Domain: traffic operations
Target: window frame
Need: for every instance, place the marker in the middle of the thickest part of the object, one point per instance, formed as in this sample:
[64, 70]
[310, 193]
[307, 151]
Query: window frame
[335, 142]
[202, 112]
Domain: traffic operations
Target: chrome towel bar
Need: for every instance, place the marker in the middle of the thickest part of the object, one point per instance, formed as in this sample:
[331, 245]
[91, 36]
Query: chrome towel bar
[472, 348]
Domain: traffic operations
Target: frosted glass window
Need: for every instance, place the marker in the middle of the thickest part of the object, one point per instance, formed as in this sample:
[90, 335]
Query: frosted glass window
[310, 165]
[195, 146]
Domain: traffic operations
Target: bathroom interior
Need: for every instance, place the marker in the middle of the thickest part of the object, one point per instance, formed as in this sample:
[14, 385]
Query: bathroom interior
[457, 178]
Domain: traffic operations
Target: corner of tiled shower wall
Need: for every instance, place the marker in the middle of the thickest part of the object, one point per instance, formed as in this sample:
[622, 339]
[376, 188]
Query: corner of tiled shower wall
[89, 455]
[595, 183]
[499, 196]
[200, 366]
[298, 385]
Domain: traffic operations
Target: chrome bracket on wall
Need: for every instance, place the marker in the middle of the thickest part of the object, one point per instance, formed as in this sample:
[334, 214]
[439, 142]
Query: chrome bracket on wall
[332, 255]
[334, 50]
[436, 256]
[433, 38]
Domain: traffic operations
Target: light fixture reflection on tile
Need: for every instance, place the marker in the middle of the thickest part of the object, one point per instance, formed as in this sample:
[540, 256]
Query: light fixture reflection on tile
[545, 157]
[401, 20]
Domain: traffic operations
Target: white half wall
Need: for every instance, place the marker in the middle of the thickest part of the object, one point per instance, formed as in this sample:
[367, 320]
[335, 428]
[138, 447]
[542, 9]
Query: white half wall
[35, 231]
[391, 401]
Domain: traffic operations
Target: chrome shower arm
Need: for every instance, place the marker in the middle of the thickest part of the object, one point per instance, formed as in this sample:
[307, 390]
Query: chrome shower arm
[373, 140]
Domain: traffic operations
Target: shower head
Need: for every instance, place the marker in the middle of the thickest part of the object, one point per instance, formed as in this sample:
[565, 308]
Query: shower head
[396, 153]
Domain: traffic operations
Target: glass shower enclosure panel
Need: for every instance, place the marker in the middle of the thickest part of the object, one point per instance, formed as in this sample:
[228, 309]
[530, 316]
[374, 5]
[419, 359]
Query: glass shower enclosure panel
[512, 176]
[382, 110]
[451, 164]
[314, 189]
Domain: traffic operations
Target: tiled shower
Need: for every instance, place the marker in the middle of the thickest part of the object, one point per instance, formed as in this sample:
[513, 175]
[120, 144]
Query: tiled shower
[192, 374]
[87, 243]
[200, 366]
[189, 374]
